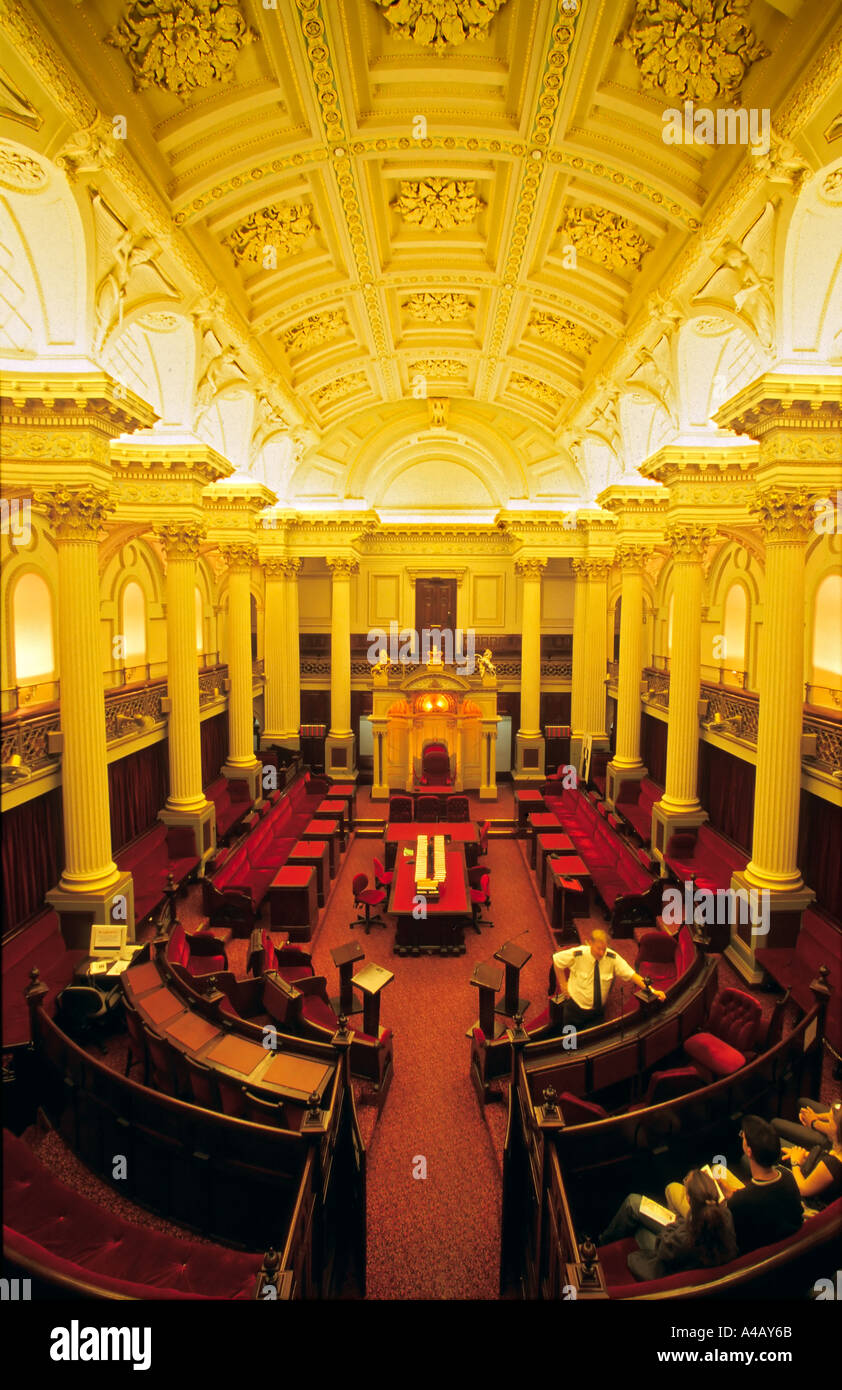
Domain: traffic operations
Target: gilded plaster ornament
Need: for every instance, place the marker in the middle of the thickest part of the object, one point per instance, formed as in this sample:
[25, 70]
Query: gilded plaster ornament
[604, 237]
[437, 367]
[181, 45]
[335, 390]
[536, 390]
[563, 333]
[433, 307]
[439, 24]
[285, 228]
[20, 171]
[438, 205]
[693, 50]
[317, 329]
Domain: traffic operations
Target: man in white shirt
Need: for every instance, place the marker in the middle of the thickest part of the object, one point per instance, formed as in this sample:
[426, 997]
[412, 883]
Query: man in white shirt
[592, 969]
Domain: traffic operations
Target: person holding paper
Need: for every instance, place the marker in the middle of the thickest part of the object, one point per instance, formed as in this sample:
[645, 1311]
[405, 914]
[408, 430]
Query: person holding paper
[592, 969]
[702, 1238]
[819, 1176]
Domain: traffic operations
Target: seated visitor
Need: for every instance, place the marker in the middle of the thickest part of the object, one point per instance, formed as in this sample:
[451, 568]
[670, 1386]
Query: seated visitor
[819, 1175]
[814, 1125]
[702, 1238]
[765, 1209]
[592, 969]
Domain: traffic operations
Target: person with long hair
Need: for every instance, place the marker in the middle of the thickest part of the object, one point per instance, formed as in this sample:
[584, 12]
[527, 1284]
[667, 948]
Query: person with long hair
[701, 1238]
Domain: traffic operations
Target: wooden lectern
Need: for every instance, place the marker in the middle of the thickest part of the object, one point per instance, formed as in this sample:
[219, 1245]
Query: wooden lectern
[487, 978]
[370, 980]
[514, 958]
[345, 958]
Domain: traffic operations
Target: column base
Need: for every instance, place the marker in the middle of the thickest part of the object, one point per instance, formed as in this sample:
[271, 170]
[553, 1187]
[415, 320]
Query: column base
[530, 757]
[665, 822]
[339, 757]
[781, 915]
[78, 912]
[251, 774]
[615, 776]
[488, 793]
[201, 824]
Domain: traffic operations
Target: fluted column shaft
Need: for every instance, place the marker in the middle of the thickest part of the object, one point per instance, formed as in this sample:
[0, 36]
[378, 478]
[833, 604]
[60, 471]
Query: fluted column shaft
[688, 544]
[631, 559]
[593, 686]
[76, 516]
[530, 651]
[340, 646]
[580, 646]
[275, 648]
[240, 559]
[292, 665]
[787, 518]
[181, 541]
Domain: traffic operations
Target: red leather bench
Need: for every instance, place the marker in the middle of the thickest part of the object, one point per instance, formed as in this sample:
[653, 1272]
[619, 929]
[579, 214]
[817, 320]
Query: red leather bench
[634, 803]
[703, 854]
[620, 874]
[53, 1233]
[232, 800]
[795, 967]
[151, 858]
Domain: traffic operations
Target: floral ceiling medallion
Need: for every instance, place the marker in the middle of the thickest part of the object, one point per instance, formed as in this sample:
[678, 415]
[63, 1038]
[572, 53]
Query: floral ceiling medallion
[693, 50]
[317, 329]
[19, 170]
[536, 390]
[604, 237]
[181, 45]
[438, 367]
[438, 308]
[563, 333]
[438, 205]
[336, 390]
[283, 229]
[439, 24]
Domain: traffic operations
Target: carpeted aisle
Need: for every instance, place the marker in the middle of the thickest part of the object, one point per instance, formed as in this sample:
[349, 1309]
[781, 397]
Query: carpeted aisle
[436, 1237]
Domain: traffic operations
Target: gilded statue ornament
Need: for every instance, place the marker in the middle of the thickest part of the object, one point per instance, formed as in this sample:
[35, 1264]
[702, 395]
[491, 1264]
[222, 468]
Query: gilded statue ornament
[604, 237]
[563, 333]
[181, 45]
[442, 307]
[438, 205]
[439, 24]
[284, 228]
[693, 50]
[317, 329]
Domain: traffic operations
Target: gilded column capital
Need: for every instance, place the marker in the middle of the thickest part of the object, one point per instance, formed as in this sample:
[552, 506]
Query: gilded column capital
[342, 566]
[689, 541]
[281, 567]
[241, 555]
[181, 539]
[784, 514]
[77, 514]
[591, 568]
[632, 557]
[530, 568]
[292, 567]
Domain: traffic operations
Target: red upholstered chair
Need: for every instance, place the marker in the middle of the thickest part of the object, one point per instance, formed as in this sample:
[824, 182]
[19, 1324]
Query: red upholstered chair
[656, 957]
[365, 899]
[458, 808]
[476, 876]
[400, 810]
[483, 828]
[730, 1037]
[479, 900]
[382, 876]
[667, 1085]
[580, 1112]
[427, 809]
[206, 954]
[435, 766]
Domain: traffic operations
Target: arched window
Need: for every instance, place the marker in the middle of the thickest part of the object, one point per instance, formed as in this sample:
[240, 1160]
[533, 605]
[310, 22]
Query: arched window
[732, 658]
[134, 624]
[827, 649]
[32, 623]
[200, 625]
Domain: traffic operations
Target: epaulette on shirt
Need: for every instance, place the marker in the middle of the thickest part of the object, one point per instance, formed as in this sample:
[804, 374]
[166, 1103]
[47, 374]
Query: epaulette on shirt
[612, 954]
[578, 953]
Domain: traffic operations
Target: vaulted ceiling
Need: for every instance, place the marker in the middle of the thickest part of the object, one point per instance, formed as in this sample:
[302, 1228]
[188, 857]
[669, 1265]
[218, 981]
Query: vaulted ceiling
[411, 202]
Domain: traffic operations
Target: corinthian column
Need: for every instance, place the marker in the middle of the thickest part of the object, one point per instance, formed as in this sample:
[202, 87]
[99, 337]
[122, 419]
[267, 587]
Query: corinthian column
[241, 763]
[339, 747]
[679, 807]
[580, 645]
[626, 764]
[275, 650]
[91, 889]
[529, 743]
[292, 664]
[187, 805]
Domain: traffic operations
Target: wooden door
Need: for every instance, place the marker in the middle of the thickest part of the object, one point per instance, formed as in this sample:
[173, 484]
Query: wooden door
[435, 603]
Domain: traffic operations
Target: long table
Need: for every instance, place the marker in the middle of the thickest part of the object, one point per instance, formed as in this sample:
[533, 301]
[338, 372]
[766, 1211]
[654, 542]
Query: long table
[442, 928]
[462, 832]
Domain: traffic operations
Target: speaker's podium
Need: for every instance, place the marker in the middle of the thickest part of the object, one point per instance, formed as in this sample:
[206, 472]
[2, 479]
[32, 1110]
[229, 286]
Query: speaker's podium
[487, 978]
[369, 981]
[514, 958]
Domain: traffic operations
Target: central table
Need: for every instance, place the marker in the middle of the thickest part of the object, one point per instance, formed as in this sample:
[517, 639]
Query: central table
[442, 927]
[458, 832]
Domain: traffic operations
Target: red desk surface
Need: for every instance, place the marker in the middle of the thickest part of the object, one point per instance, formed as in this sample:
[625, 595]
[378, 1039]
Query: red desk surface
[333, 808]
[143, 977]
[462, 832]
[544, 820]
[529, 796]
[161, 1006]
[346, 789]
[555, 844]
[317, 829]
[569, 866]
[192, 1031]
[453, 896]
[237, 1054]
[293, 876]
[309, 849]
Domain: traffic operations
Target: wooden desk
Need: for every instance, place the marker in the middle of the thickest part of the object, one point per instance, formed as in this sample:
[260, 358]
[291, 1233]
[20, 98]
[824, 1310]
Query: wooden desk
[548, 844]
[325, 830]
[333, 809]
[568, 866]
[525, 802]
[293, 901]
[457, 832]
[443, 928]
[317, 854]
[541, 821]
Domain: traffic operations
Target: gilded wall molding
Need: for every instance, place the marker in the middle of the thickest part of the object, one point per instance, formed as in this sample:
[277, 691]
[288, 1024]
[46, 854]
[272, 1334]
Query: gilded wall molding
[342, 566]
[632, 557]
[591, 568]
[530, 567]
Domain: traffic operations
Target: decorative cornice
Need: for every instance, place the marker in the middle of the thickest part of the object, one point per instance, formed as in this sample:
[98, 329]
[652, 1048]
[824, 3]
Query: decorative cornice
[530, 567]
[773, 402]
[76, 514]
[239, 555]
[181, 539]
[73, 399]
[784, 514]
[689, 542]
[141, 458]
[702, 463]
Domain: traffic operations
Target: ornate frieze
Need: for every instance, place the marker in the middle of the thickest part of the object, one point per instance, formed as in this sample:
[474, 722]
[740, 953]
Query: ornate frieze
[239, 555]
[689, 542]
[694, 50]
[181, 539]
[317, 329]
[438, 205]
[284, 228]
[563, 333]
[435, 307]
[76, 514]
[181, 45]
[439, 24]
[604, 237]
[784, 514]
